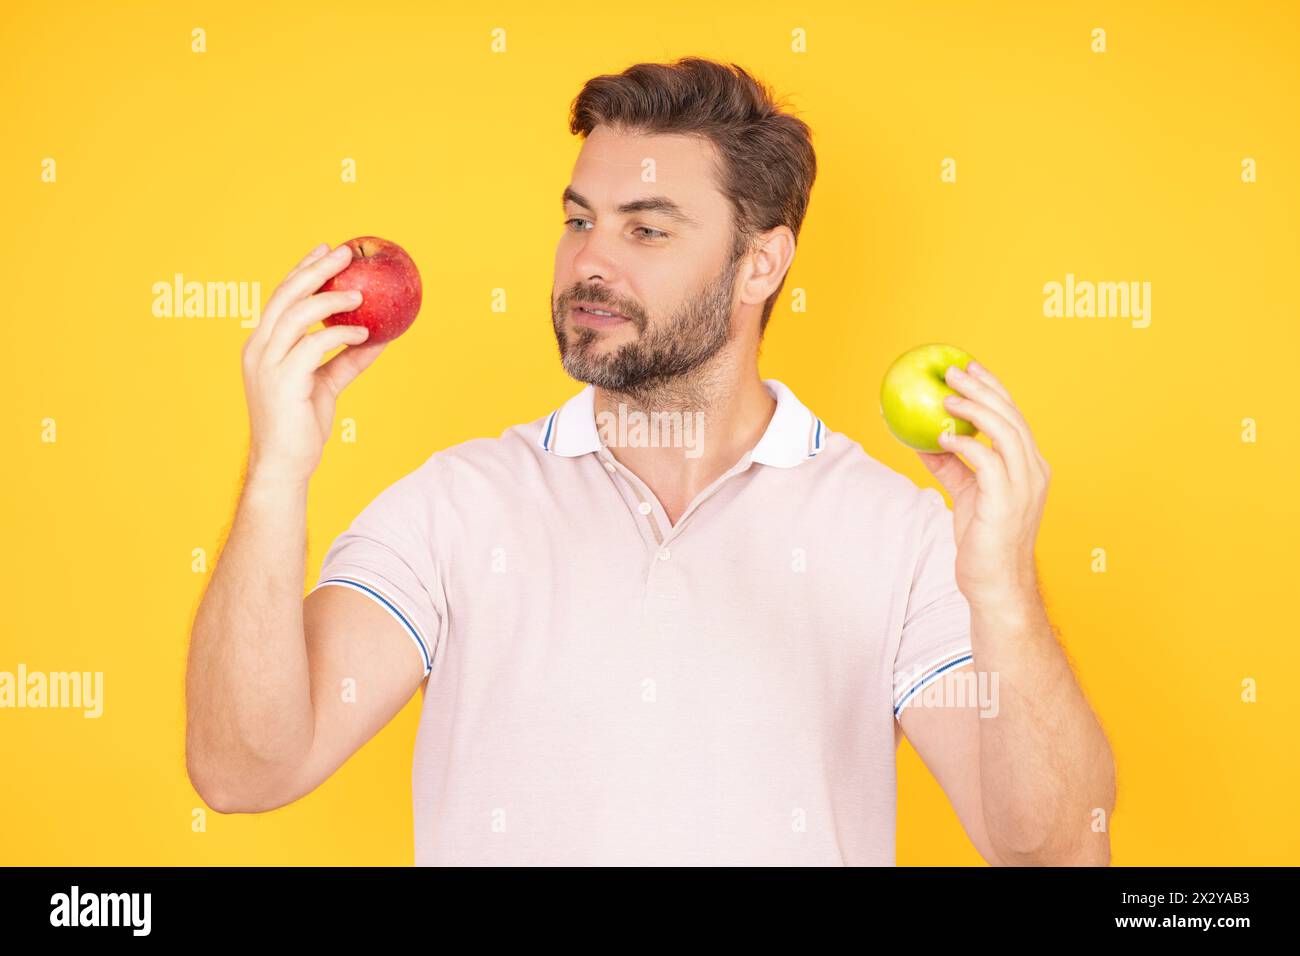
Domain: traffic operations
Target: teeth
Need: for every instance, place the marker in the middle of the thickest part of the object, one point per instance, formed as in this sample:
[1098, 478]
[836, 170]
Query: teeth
[598, 312]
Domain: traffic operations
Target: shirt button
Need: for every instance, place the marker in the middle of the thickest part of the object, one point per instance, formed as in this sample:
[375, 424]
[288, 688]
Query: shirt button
[644, 507]
[664, 555]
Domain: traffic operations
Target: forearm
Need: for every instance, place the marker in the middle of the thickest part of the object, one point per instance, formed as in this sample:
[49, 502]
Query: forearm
[250, 716]
[1045, 764]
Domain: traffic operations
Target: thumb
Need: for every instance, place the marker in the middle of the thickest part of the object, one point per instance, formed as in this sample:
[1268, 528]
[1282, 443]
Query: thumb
[339, 371]
[931, 461]
[948, 468]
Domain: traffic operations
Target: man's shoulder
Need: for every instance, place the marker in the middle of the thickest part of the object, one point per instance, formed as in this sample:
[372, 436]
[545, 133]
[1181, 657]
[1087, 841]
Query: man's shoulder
[468, 470]
[512, 453]
[852, 469]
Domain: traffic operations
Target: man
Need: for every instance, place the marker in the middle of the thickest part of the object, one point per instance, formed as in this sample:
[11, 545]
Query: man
[698, 651]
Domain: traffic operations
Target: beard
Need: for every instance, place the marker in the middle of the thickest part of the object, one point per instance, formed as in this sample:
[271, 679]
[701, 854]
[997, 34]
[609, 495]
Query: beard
[661, 354]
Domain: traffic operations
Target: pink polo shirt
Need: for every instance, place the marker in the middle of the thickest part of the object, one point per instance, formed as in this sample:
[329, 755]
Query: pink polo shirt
[607, 688]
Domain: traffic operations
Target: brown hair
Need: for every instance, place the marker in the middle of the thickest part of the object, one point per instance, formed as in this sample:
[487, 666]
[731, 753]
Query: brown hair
[767, 164]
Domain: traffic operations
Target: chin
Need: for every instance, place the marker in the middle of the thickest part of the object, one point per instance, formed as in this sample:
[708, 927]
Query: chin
[587, 341]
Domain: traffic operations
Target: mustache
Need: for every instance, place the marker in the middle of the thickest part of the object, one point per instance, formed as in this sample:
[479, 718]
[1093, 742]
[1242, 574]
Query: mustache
[566, 303]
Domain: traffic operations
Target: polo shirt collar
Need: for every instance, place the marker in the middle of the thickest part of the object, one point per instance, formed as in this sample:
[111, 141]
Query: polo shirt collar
[793, 435]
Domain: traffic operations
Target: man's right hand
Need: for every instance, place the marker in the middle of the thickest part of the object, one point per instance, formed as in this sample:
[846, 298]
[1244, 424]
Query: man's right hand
[290, 394]
[264, 721]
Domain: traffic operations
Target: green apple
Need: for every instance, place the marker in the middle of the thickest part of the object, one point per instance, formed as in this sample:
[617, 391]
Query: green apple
[912, 394]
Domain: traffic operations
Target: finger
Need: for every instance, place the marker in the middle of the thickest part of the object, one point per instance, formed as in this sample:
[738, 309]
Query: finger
[974, 386]
[307, 354]
[255, 342]
[338, 372]
[1006, 440]
[983, 374]
[990, 473]
[999, 399]
[311, 257]
[301, 284]
[952, 472]
[994, 383]
[301, 316]
[264, 321]
[982, 394]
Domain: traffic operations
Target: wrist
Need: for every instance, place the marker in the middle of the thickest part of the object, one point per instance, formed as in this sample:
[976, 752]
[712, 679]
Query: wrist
[262, 481]
[1014, 608]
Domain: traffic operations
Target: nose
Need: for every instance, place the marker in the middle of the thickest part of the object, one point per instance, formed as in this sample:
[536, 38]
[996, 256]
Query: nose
[594, 259]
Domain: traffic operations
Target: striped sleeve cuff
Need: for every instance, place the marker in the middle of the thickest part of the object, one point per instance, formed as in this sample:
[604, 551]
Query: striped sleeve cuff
[390, 605]
[909, 683]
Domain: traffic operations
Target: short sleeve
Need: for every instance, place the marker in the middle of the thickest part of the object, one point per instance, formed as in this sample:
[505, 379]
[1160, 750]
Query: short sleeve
[387, 554]
[936, 627]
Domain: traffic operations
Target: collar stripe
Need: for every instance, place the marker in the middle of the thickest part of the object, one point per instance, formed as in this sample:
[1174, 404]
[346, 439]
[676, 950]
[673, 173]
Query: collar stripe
[546, 432]
[817, 439]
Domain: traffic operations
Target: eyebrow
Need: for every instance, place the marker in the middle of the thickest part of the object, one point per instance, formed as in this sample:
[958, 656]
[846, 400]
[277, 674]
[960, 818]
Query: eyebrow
[660, 204]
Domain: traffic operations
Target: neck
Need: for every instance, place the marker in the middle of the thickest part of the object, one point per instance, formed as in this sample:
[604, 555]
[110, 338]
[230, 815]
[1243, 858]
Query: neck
[720, 411]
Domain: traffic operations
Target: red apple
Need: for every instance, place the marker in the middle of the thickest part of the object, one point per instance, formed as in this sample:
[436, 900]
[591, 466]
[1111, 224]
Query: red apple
[389, 285]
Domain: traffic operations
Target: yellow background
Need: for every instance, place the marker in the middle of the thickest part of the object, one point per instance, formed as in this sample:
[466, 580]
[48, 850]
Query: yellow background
[225, 166]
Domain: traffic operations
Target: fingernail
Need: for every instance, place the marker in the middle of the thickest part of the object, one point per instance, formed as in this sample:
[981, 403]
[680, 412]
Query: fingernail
[342, 251]
[974, 366]
[321, 248]
[951, 401]
[955, 372]
[944, 438]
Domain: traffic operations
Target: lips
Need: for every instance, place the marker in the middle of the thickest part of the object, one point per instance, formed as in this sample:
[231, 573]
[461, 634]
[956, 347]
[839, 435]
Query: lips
[587, 307]
[579, 316]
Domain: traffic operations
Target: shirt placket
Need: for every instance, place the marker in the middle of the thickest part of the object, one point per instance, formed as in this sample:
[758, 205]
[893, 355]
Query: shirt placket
[657, 531]
[639, 500]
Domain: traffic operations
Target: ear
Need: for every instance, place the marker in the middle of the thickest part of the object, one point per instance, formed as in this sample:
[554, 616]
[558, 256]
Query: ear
[770, 258]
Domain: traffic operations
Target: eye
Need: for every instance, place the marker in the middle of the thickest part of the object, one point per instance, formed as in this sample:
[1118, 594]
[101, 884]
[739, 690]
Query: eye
[657, 233]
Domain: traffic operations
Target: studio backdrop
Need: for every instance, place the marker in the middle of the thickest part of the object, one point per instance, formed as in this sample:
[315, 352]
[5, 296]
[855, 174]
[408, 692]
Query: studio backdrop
[1099, 201]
